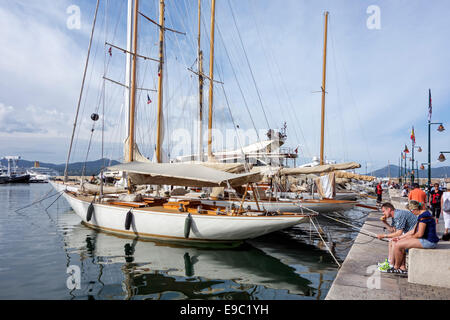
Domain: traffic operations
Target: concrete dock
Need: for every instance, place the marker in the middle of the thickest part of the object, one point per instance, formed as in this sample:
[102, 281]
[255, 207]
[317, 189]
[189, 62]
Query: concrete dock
[359, 278]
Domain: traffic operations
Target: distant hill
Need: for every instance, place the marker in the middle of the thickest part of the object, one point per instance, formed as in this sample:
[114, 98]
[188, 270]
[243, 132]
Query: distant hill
[75, 169]
[441, 172]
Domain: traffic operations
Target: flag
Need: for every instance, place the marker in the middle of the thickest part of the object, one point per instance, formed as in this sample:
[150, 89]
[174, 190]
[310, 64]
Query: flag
[413, 137]
[296, 150]
[148, 99]
[110, 51]
[406, 149]
[430, 107]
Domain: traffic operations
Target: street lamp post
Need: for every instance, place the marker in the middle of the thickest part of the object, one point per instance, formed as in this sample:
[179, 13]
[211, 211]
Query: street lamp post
[440, 129]
[419, 149]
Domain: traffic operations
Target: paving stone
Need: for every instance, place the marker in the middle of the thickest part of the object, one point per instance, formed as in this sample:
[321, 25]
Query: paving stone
[357, 275]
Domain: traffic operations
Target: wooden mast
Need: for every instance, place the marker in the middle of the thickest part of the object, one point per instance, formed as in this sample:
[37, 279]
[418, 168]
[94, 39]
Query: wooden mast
[324, 78]
[200, 86]
[132, 115]
[160, 81]
[211, 80]
[128, 63]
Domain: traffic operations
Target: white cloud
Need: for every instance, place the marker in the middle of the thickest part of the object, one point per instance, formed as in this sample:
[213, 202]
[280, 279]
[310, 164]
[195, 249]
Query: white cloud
[377, 84]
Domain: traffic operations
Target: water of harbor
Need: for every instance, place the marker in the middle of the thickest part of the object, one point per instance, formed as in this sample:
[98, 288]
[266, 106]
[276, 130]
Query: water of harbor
[42, 244]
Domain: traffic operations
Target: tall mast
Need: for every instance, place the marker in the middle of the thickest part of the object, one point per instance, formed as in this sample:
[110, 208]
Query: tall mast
[211, 80]
[160, 81]
[133, 84]
[128, 62]
[324, 78]
[200, 86]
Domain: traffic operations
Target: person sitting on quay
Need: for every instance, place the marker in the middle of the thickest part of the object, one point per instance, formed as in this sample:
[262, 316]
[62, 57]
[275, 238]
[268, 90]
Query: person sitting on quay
[405, 191]
[423, 236]
[418, 194]
[403, 221]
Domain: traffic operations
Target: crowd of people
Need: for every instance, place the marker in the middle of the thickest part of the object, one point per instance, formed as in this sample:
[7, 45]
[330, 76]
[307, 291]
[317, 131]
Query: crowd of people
[415, 227]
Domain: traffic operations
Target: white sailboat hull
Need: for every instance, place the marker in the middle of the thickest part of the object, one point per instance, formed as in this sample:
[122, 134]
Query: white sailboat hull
[170, 226]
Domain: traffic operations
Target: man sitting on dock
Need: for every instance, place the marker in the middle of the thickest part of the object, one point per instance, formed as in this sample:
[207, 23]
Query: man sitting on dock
[403, 221]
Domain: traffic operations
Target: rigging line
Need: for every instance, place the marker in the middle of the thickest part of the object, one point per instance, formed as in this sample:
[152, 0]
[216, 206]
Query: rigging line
[343, 135]
[248, 63]
[329, 250]
[271, 72]
[235, 128]
[176, 38]
[99, 96]
[234, 73]
[368, 233]
[105, 65]
[86, 94]
[284, 86]
[239, 85]
[39, 201]
[356, 109]
[249, 66]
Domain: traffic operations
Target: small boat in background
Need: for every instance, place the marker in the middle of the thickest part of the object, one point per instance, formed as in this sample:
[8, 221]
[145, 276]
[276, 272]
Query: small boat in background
[12, 175]
[40, 174]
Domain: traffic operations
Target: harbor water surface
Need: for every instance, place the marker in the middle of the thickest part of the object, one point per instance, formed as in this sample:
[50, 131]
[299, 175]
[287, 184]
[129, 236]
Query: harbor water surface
[43, 246]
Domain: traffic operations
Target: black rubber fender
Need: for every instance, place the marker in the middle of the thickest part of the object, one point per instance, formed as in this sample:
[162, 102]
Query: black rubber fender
[128, 220]
[188, 266]
[187, 226]
[90, 212]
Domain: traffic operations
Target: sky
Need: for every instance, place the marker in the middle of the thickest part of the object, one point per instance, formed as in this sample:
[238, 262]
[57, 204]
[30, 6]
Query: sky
[382, 58]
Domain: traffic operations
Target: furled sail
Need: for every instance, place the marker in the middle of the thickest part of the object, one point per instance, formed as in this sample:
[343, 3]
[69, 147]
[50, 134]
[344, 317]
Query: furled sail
[349, 175]
[320, 169]
[186, 175]
[326, 186]
[137, 156]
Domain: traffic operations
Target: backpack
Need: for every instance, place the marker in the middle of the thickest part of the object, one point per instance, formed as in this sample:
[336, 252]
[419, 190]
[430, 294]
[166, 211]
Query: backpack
[446, 206]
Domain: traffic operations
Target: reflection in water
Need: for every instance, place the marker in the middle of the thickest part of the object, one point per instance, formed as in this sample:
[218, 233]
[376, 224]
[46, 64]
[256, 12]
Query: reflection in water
[278, 266]
[150, 270]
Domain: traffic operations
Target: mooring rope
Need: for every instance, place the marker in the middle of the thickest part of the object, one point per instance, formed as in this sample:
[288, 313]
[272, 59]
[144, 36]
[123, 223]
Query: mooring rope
[326, 245]
[40, 200]
[373, 235]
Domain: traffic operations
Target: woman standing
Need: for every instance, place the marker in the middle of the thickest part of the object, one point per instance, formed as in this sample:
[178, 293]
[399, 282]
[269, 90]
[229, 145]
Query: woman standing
[435, 201]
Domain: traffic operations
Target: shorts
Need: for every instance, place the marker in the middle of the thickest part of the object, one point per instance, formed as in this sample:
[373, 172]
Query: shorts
[427, 244]
[447, 220]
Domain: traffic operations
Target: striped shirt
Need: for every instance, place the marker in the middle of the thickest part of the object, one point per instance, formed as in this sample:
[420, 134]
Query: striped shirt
[404, 220]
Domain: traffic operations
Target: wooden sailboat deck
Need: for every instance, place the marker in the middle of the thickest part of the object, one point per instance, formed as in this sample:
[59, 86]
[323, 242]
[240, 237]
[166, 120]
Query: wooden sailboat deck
[194, 207]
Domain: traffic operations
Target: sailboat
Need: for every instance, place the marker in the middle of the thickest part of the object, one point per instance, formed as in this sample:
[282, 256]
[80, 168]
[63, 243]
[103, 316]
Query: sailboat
[140, 215]
[321, 167]
[275, 201]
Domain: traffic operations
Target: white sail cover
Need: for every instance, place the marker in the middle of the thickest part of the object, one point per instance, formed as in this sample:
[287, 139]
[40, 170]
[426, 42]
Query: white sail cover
[186, 175]
[227, 167]
[348, 175]
[320, 169]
